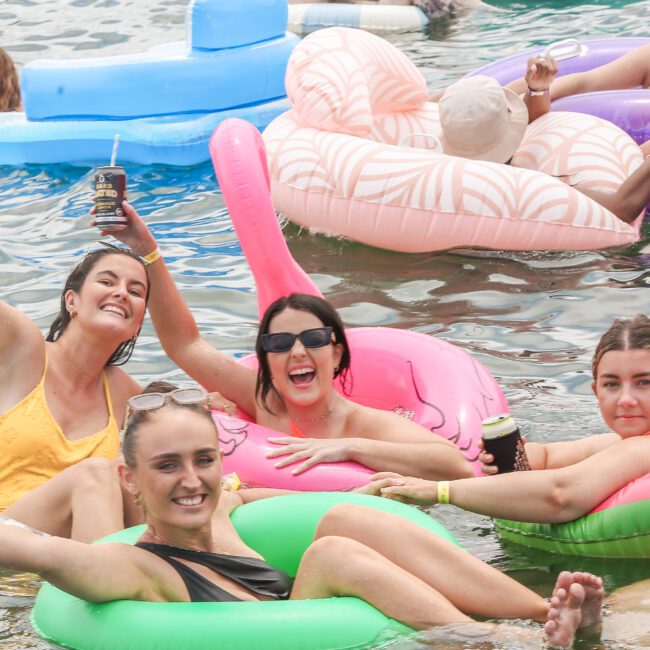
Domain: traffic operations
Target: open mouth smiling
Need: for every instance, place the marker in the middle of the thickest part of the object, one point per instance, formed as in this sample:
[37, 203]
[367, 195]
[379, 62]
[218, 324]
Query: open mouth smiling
[115, 309]
[193, 501]
[302, 376]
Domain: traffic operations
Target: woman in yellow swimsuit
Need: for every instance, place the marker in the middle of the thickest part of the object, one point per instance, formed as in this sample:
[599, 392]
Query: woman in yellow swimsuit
[62, 399]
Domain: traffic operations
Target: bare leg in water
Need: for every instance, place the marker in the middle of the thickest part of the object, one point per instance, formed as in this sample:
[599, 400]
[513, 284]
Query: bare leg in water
[423, 580]
[84, 502]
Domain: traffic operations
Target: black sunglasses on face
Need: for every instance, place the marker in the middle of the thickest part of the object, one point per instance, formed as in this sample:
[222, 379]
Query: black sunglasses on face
[317, 337]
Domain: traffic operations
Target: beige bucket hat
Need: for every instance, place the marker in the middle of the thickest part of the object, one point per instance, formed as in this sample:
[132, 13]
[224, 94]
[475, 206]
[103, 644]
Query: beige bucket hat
[481, 120]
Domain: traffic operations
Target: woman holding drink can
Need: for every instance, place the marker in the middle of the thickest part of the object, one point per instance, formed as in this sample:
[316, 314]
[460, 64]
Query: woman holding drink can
[301, 348]
[573, 477]
[62, 399]
[50, 482]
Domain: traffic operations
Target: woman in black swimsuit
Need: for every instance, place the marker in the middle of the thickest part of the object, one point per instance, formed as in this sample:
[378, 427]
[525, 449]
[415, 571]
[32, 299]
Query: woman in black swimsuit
[190, 551]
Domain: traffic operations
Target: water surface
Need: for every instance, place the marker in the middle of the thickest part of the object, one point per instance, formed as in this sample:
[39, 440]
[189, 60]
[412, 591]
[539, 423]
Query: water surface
[533, 319]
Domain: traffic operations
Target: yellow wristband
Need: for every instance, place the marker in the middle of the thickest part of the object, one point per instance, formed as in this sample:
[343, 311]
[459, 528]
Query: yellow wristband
[231, 482]
[152, 257]
[443, 491]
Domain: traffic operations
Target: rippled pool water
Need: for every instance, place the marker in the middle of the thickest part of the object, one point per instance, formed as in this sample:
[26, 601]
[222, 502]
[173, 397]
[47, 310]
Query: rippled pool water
[533, 319]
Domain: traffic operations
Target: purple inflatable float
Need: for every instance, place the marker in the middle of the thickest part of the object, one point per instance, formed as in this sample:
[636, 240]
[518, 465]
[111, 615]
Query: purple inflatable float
[628, 109]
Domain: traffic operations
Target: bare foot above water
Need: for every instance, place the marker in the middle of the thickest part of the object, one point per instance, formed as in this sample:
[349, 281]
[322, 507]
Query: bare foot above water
[576, 603]
[594, 595]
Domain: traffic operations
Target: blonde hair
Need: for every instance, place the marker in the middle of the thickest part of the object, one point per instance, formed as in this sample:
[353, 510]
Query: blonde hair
[9, 86]
[135, 419]
[623, 334]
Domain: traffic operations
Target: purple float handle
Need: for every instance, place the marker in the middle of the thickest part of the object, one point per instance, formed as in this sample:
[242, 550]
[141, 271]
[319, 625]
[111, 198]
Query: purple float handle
[566, 49]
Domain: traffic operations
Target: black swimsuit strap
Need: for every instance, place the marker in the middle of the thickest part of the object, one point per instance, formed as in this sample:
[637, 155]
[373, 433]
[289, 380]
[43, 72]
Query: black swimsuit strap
[249, 572]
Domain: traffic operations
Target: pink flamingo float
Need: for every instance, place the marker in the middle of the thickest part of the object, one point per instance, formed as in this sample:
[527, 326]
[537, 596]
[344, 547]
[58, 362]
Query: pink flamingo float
[436, 383]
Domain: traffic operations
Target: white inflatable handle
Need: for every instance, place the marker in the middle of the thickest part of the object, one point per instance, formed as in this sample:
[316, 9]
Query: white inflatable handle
[437, 144]
[567, 49]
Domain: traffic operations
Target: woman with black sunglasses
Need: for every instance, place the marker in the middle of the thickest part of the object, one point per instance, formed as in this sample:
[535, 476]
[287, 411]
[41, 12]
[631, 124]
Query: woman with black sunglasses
[301, 348]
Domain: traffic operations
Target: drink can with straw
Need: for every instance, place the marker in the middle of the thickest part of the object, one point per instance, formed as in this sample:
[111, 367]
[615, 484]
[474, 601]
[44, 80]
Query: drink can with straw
[110, 192]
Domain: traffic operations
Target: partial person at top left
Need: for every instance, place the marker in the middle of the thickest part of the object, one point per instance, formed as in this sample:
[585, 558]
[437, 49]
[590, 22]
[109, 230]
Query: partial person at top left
[9, 84]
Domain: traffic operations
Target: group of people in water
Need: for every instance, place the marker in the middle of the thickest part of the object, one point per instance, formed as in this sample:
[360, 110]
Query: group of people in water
[64, 401]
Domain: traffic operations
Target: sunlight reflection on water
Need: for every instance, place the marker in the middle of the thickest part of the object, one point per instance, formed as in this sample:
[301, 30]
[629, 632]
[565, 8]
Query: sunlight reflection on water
[533, 319]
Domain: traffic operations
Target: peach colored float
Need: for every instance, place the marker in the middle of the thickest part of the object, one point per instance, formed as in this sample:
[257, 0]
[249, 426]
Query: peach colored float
[418, 376]
[336, 167]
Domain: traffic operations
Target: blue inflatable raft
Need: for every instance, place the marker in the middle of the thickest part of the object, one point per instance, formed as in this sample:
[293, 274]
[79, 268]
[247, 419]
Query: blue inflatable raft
[164, 103]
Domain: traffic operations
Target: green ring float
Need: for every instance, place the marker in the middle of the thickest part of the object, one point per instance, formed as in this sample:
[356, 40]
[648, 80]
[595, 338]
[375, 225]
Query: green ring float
[621, 531]
[280, 529]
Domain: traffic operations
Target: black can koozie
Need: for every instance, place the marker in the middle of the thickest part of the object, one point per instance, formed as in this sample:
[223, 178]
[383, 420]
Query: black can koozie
[502, 439]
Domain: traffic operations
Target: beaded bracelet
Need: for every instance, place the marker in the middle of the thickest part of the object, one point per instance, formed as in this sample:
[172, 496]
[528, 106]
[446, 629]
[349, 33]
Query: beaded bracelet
[443, 492]
[538, 93]
[152, 257]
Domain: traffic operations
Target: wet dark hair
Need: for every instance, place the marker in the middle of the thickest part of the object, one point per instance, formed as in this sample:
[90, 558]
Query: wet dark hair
[623, 334]
[135, 419]
[325, 313]
[74, 283]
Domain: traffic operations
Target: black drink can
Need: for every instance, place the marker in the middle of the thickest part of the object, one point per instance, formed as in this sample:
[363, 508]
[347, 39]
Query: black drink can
[110, 191]
[502, 439]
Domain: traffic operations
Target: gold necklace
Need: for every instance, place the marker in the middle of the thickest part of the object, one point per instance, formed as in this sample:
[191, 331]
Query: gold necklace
[316, 419]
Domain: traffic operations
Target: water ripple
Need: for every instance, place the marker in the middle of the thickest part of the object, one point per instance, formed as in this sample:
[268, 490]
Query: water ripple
[532, 318]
